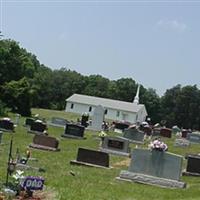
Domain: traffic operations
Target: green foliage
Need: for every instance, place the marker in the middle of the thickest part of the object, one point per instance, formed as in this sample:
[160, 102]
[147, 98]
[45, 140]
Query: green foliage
[17, 96]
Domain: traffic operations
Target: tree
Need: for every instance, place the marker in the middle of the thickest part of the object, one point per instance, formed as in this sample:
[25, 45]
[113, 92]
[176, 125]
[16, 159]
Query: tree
[16, 95]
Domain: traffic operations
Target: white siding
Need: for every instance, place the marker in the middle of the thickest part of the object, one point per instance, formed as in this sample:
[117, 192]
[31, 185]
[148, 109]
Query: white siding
[111, 113]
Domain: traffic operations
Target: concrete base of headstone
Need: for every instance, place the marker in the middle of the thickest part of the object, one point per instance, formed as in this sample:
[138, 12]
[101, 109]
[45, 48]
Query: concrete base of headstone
[118, 153]
[185, 173]
[72, 137]
[181, 142]
[35, 132]
[116, 130]
[6, 130]
[150, 180]
[37, 146]
[56, 125]
[87, 164]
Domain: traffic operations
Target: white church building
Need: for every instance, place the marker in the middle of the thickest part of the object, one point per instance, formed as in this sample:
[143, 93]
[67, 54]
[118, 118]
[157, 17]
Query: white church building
[114, 109]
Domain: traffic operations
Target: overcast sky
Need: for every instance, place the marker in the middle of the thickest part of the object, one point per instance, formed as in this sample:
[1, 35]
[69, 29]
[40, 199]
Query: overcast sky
[157, 43]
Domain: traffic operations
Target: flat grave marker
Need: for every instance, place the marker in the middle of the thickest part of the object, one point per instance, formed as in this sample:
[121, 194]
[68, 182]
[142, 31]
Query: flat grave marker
[59, 122]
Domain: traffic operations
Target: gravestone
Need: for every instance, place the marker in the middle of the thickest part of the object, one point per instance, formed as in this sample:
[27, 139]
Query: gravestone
[74, 131]
[134, 135]
[1, 134]
[97, 118]
[84, 120]
[193, 165]
[91, 158]
[59, 122]
[156, 132]
[38, 127]
[193, 137]
[17, 117]
[6, 125]
[45, 143]
[166, 132]
[120, 127]
[29, 121]
[181, 142]
[154, 168]
[184, 133]
[115, 145]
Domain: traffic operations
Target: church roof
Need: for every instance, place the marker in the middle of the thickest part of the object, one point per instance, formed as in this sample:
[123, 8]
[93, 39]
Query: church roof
[107, 103]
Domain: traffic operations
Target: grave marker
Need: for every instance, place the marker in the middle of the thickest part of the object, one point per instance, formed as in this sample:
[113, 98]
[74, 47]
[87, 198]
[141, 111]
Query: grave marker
[45, 143]
[115, 145]
[181, 142]
[97, 118]
[1, 133]
[91, 158]
[120, 127]
[38, 127]
[154, 168]
[29, 121]
[74, 131]
[134, 135]
[194, 137]
[6, 125]
[193, 165]
[166, 132]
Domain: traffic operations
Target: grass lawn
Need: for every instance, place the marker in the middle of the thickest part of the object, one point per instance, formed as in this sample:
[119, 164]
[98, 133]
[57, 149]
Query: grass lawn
[90, 183]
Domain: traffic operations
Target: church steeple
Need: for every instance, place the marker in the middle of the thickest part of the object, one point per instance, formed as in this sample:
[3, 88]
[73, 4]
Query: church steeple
[136, 99]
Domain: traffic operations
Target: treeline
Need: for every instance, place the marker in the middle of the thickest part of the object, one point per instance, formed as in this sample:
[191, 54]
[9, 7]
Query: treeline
[25, 83]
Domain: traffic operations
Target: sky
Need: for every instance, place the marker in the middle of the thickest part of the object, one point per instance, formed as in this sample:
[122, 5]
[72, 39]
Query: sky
[157, 43]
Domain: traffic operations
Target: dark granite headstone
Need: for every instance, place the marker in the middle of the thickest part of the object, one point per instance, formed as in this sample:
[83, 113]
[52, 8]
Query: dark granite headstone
[38, 127]
[134, 135]
[45, 143]
[6, 125]
[74, 131]
[121, 126]
[184, 133]
[166, 132]
[193, 165]
[155, 168]
[194, 137]
[116, 145]
[91, 158]
[84, 120]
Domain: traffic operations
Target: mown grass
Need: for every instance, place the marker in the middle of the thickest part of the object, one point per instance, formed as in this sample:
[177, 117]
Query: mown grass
[90, 183]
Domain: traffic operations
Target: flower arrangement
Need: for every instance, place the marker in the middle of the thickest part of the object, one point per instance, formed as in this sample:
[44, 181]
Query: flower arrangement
[158, 145]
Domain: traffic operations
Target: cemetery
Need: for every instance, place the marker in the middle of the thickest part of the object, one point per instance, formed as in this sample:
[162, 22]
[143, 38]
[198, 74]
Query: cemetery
[95, 169]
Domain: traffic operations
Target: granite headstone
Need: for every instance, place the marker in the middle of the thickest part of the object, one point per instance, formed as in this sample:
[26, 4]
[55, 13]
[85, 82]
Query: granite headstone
[194, 137]
[59, 122]
[97, 118]
[154, 168]
[38, 127]
[74, 131]
[92, 158]
[134, 135]
[6, 125]
[45, 143]
[115, 145]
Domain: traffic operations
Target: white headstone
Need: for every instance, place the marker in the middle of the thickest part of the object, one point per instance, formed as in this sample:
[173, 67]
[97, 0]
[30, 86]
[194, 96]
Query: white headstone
[97, 118]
